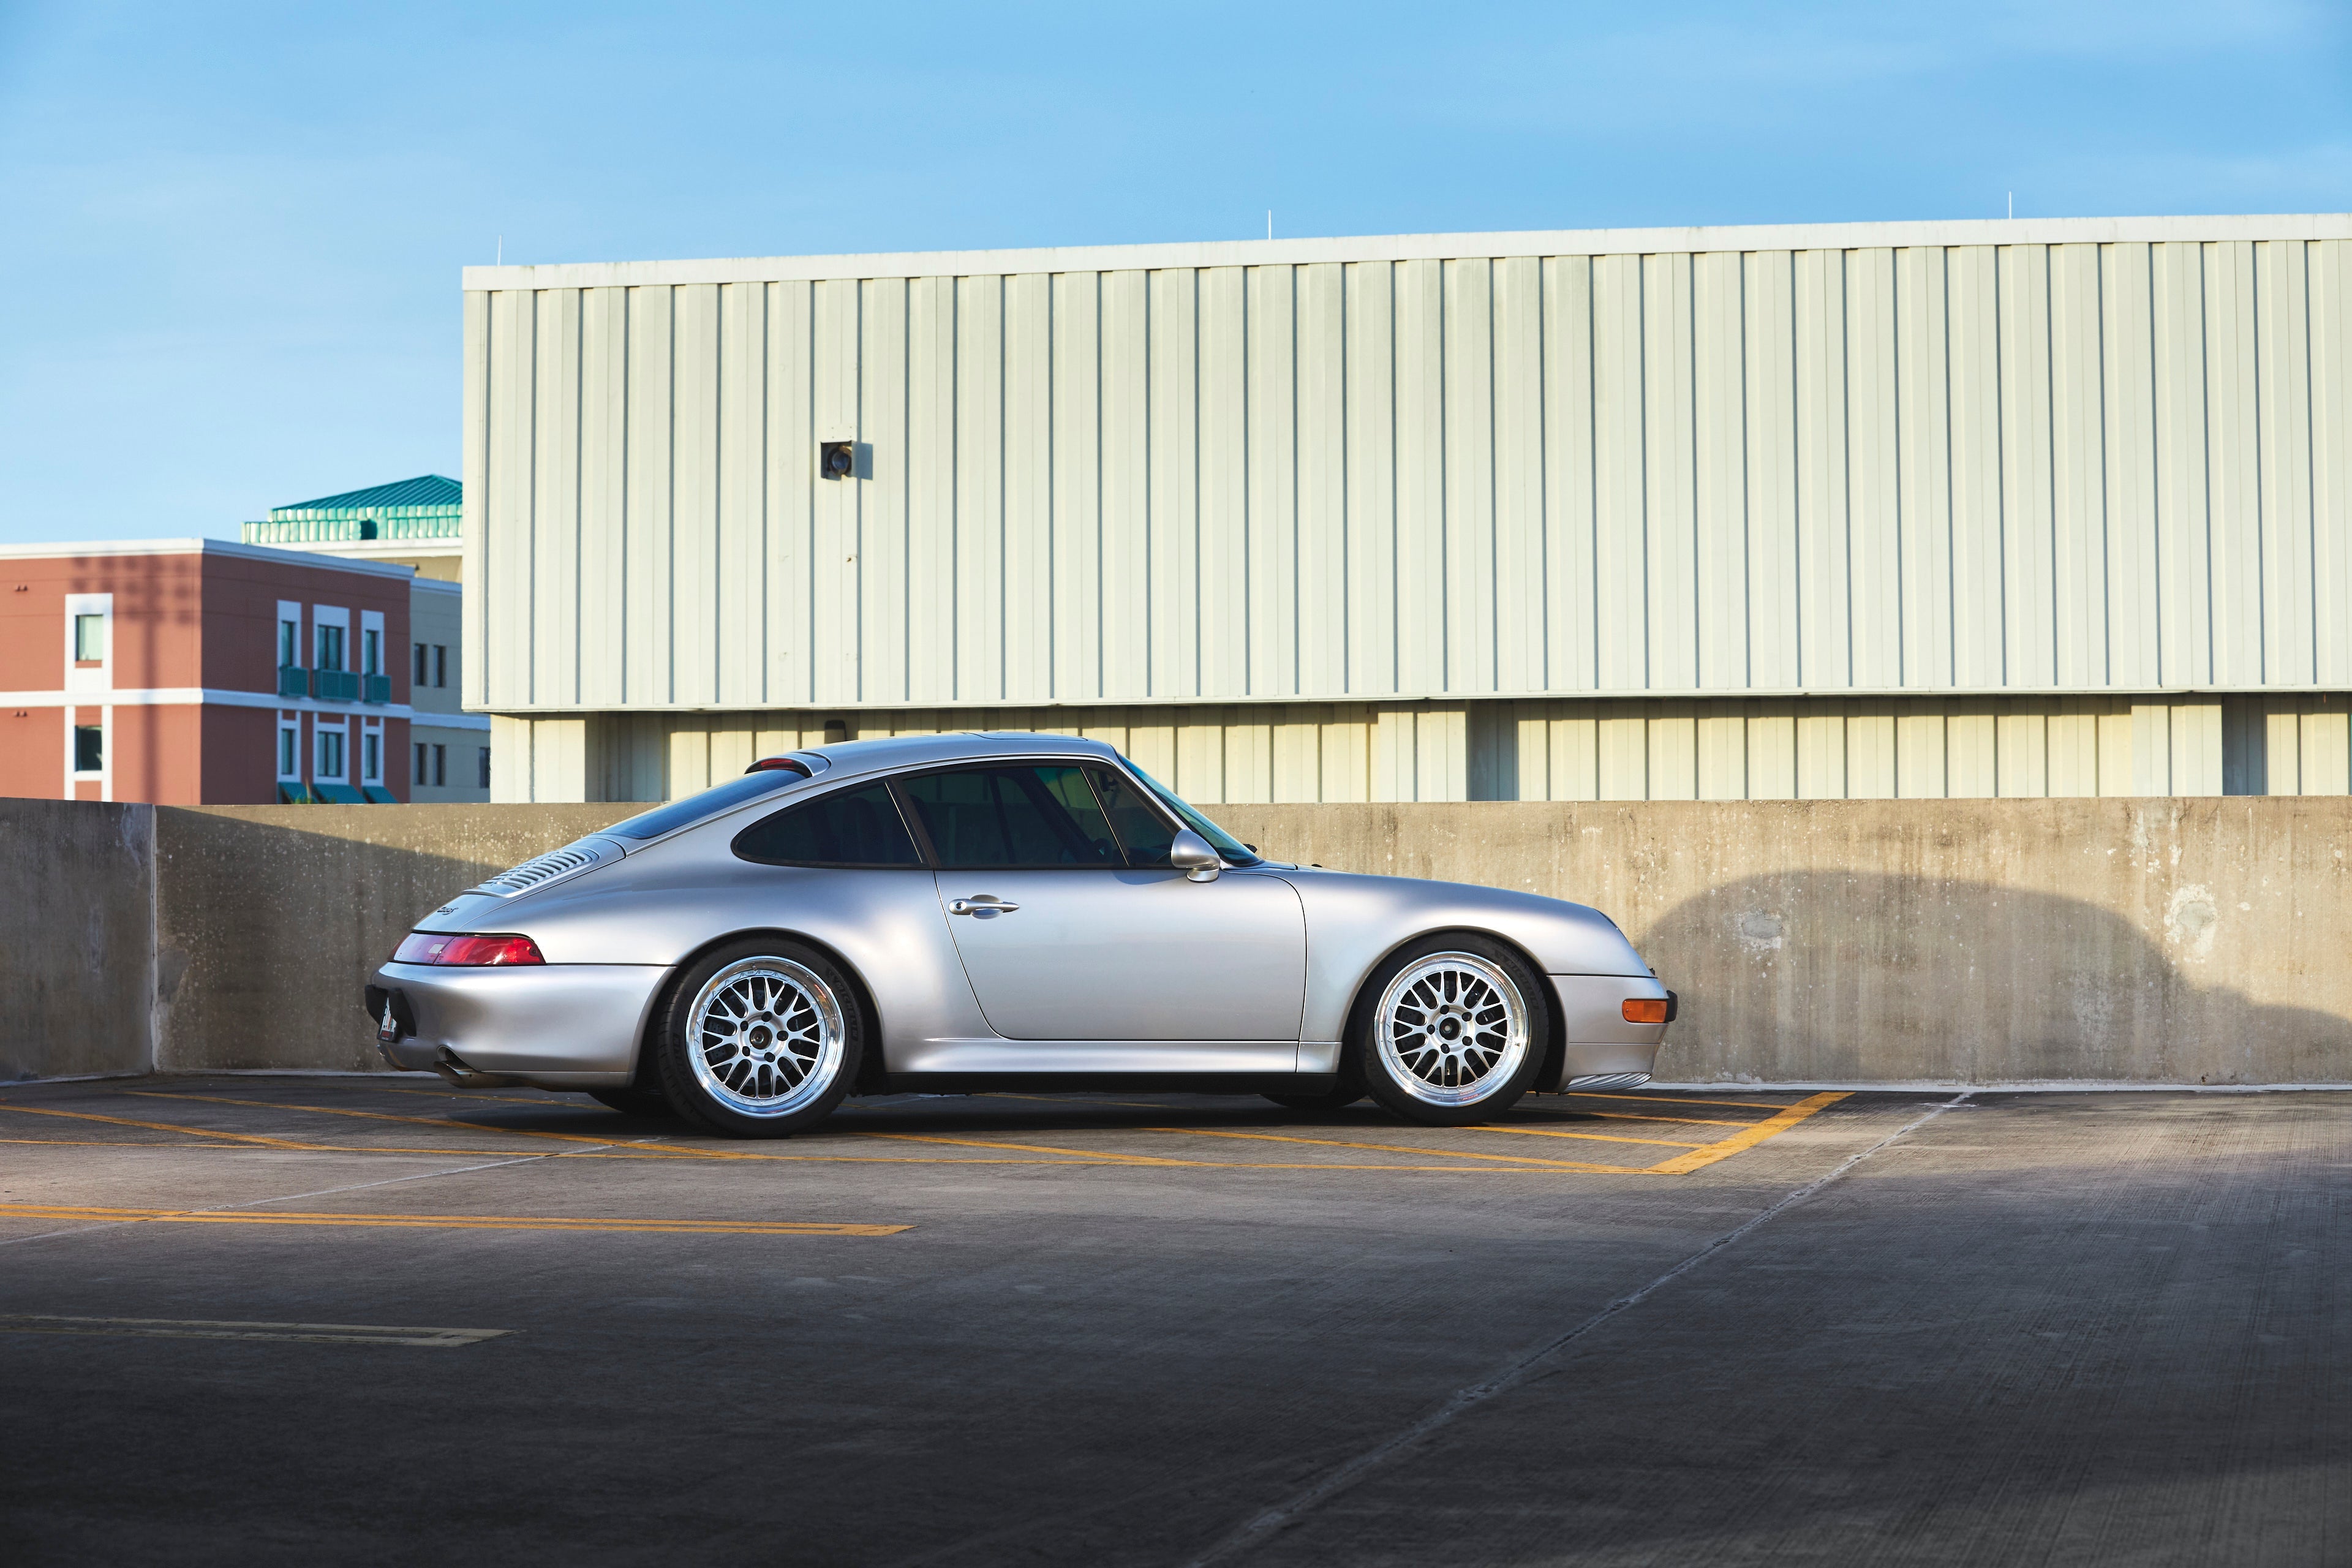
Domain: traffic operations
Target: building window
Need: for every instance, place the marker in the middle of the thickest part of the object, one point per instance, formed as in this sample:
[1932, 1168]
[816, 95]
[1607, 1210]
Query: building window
[416, 773]
[370, 756]
[482, 761]
[440, 664]
[290, 645]
[441, 766]
[289, 747]
[331, 647]
[331, 755]
[90, 639]
[371, 651]
[418, 679]
[89, 748]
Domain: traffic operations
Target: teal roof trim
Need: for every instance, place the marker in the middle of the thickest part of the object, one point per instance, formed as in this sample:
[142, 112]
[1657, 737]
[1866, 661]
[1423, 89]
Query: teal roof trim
[427, 492]
[428, 506]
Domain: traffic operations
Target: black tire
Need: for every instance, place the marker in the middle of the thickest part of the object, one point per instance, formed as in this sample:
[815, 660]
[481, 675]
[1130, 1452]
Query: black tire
[747, 1087]
[1438, 1079]
[633, 1101]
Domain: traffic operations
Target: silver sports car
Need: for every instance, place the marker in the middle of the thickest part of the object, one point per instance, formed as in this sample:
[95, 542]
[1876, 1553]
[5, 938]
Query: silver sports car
[988, 911]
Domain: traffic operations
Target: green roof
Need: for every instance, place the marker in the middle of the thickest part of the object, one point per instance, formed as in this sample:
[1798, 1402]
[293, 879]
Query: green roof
[428, 491]
[426, 507]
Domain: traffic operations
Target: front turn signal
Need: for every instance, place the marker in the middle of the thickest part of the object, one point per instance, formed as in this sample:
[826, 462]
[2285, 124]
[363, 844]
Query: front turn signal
[1647, 1010]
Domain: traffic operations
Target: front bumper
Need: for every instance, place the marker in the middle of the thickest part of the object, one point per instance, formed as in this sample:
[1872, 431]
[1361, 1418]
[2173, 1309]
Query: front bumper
[572, 1024]
[1599, 1043]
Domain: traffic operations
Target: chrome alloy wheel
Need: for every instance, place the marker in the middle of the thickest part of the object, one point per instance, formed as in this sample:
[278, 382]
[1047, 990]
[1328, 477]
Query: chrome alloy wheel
[764, 1037]
[1451, 1029]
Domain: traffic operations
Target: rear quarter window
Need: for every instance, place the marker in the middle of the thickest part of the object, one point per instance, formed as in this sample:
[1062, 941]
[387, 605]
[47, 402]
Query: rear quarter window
[850, 828]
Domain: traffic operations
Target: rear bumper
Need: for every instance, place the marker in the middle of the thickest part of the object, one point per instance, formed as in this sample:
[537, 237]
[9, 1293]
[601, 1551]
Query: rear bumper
[572, 1022]
[1599, 1042]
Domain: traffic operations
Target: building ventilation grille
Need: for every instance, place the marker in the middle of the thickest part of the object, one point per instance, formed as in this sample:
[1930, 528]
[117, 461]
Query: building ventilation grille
[545, 868]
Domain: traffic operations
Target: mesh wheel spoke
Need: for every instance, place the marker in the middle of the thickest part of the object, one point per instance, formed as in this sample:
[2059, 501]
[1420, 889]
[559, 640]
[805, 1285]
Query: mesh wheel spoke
[767, 1034]
[1453, 1028]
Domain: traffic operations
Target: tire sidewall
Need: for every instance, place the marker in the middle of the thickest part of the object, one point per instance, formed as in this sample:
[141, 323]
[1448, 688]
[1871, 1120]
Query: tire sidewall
[673, 1065]
[1364, 1053]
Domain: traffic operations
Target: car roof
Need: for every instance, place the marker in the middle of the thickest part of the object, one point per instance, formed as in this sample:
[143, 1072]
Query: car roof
[850, 759]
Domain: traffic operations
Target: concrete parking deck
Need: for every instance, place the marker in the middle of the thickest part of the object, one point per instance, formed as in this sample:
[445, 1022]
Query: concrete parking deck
[265, 1318]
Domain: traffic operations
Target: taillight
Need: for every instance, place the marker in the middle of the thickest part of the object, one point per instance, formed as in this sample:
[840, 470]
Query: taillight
[475, 951]
[1647, 1010]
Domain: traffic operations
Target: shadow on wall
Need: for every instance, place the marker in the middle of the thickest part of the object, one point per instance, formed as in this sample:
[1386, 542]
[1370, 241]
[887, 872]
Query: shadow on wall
[269, 919]
[1831, 976]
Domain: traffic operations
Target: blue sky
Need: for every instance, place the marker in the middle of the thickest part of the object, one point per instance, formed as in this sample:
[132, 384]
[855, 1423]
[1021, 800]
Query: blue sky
[234, 232]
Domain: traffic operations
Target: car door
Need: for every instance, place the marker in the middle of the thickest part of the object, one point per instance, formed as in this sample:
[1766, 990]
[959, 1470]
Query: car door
[1064, 938]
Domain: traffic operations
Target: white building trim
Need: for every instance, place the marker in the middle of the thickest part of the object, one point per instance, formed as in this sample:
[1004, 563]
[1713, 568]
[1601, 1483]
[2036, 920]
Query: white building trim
[1415, 248]
[91, 549]
[175, 696]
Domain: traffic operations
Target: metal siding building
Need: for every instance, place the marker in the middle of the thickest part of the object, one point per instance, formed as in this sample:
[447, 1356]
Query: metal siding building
[2008, 508]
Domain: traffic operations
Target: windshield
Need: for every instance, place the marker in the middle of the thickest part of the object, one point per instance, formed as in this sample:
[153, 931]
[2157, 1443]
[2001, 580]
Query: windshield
[1230, 849]
[709, 803]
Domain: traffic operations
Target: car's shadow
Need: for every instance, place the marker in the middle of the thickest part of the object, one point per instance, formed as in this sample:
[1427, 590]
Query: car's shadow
[1039, 1114]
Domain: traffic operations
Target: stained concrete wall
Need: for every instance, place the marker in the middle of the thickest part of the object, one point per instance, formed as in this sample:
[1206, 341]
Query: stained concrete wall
[2155, 940]
[268, 918]
[76, 950]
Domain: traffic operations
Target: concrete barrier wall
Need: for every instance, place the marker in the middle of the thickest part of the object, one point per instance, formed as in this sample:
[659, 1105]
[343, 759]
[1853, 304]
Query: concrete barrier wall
[2157, 940]
[77, 938]
[268, 918]
[2199, 941]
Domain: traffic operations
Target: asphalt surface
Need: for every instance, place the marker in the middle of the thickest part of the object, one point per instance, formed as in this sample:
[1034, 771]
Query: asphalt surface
[1724, 1328]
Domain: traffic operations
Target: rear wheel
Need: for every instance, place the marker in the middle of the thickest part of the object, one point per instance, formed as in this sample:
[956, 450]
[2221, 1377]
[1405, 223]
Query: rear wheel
[1450, 1030]
[759, 1039]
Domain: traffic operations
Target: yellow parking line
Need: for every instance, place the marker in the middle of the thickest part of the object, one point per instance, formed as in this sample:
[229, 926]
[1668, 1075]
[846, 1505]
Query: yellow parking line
[1680, 1120]
[1670, 1099]
[1386, 1148]
[1682, 1165]
[443, 1221]
[159, 1126]
[1031, 1149]
[1596, 1137]
[376, 1116]
[117, 1143]
[1068, 1100]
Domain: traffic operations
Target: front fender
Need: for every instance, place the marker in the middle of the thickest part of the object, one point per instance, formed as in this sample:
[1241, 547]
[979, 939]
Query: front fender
[1353, 921]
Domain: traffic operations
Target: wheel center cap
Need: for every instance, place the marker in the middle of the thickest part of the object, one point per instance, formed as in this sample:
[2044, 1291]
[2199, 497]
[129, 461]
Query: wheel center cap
[760, 1038]
[1450, 1028]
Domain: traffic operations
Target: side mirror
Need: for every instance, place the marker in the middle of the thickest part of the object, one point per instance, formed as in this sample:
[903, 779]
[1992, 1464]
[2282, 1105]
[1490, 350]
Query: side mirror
[1190, 853]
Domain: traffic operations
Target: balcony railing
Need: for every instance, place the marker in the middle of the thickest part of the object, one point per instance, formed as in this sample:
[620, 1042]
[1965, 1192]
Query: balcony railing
[293, 680]
[335, 685]
[378, 688]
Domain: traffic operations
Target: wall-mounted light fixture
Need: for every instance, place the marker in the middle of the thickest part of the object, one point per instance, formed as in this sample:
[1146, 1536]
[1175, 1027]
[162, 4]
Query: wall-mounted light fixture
[837, 459]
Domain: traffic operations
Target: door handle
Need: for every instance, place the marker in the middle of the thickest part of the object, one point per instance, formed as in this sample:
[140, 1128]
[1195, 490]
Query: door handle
[984, 904]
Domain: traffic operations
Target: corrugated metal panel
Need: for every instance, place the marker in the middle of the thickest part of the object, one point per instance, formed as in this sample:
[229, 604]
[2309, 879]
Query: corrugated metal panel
[2109, 465]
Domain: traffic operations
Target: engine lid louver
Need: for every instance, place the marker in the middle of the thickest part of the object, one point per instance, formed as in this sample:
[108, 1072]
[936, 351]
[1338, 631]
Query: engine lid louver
[554, 866]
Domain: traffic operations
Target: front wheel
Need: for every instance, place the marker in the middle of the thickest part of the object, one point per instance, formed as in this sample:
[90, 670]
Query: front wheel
[1450, 1030]
[759, 1039]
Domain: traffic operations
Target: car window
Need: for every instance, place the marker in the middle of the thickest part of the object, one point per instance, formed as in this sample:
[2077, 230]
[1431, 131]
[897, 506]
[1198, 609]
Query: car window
[1134, 816]
[1143, 831]
[850, 828]
[709, 803]
[1000, 818]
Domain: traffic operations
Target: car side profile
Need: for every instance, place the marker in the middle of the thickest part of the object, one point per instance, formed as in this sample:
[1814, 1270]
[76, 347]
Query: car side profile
[957, 912]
